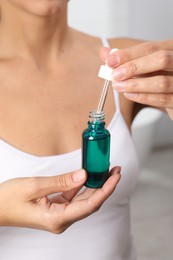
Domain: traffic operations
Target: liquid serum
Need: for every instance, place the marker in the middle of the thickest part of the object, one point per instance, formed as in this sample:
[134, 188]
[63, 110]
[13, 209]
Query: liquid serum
[96, 150]
[96, 139]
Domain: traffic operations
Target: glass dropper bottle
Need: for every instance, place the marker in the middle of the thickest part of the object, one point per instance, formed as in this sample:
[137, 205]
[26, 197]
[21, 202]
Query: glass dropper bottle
[96, 150]
[96, 139]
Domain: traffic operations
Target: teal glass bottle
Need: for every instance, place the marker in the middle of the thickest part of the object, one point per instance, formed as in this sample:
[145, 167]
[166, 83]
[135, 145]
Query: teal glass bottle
[96, 150]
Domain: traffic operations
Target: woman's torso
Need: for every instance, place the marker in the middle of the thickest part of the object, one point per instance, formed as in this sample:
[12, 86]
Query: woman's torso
[104, 235]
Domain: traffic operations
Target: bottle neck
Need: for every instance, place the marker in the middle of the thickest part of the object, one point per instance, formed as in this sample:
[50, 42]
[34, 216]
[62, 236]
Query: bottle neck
[96, 120]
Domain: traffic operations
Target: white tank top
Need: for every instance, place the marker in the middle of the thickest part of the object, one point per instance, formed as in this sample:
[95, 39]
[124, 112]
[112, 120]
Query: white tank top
[105, 235]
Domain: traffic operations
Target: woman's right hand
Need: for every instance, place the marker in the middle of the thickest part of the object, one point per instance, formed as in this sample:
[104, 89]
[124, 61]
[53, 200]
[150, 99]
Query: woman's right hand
[24, 202]
[144, 73]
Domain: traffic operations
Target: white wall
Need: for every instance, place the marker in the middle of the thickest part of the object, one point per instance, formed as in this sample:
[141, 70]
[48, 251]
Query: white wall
[150, 19]
[105, 18]
[146, 19]
[164, 132]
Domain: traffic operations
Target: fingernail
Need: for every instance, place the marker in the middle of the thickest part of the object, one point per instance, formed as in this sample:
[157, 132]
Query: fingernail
[118, 85]
[119, 73]
[131, 95]
[113, 60]
[78, 176]
[118, 169]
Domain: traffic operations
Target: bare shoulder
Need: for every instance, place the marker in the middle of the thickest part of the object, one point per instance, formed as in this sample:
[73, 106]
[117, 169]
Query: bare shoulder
[95, 43]
[123, 42]
[86, 41]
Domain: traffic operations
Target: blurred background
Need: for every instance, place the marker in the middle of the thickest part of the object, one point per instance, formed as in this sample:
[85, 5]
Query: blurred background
[152, 207]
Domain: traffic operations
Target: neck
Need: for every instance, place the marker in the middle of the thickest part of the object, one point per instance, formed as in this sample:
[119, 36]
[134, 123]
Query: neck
[31, 36]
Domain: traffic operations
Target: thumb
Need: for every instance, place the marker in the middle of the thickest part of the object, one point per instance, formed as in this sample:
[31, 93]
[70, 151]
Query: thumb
[43, 186]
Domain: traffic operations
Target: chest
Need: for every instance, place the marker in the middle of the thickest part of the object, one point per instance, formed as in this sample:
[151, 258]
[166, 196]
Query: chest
[46, 115]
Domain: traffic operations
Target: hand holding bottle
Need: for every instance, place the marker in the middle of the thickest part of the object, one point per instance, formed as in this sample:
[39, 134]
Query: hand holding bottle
[144, 73]
[24, 202]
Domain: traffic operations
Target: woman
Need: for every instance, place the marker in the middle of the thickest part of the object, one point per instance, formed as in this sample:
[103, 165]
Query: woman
[48, 86]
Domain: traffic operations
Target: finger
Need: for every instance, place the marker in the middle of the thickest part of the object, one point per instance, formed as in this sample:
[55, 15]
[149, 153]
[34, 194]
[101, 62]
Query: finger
[162, 60]
[90, 191]
[65, 196]
[157, 84]
[85, 194]
[156, 100]
[82, 208]
[137, 51]
[170, 113]
[43, 186]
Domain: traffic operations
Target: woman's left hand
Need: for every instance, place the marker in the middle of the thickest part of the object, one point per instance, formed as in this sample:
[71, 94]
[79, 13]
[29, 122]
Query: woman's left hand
[144, 73]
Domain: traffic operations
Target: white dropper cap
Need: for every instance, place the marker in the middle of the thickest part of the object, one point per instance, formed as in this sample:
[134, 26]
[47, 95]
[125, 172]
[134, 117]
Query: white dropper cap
[105, 71]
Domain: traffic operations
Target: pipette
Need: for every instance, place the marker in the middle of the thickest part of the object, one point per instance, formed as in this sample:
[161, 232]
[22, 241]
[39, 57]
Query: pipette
[105, 72]
[103, 96]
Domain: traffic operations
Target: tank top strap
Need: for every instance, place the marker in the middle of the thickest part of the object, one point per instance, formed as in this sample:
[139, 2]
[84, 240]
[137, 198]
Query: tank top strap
[105, 43]
[117, 101]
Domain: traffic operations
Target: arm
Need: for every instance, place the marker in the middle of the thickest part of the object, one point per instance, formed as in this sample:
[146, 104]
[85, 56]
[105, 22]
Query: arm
[24, 202]
[144, 73]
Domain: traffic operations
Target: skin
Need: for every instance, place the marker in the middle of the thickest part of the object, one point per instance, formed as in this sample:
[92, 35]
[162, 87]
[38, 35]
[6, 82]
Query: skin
[47, 68]
[24, 202]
